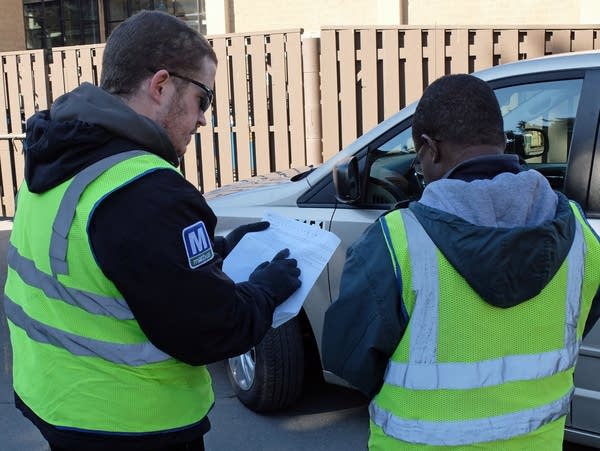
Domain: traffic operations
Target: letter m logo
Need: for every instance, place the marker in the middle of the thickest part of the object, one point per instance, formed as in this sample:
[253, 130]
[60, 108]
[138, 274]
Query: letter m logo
[197, 244]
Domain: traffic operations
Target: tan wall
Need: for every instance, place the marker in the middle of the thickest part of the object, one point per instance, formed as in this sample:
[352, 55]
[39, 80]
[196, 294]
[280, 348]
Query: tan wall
[12, 28]
[311, 15]
[258, 15]
[497, 12]
[589, 12]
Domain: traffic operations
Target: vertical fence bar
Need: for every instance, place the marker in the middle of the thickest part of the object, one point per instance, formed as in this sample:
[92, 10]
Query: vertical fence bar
[582, 40]
[85, 63]
[40, 80]
[481, 50]
[412, 56]
[507, 47]
[369, 99]
[26, 87]
[16, 125]
[429, 50]
[260, 113]
[457, 51]
[295, 94]
[439, 53]
[6, 169]
[240, 101]
[14, 93]
[71, 69]
[390, 72]
[347, 59]
[330, 94]
[190, 162]
[97, 62]
[312, 101]
[559, 41]
[279, 102]
[222, 129]
[26, 94]
[533, 45]
[57, 78]
[207, 156]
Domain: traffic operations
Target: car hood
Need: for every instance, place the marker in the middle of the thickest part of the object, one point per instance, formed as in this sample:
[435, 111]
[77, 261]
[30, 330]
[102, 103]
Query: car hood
[268, 189]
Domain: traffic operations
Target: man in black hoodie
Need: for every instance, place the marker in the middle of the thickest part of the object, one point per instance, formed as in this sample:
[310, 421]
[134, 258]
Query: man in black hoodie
[115, 295]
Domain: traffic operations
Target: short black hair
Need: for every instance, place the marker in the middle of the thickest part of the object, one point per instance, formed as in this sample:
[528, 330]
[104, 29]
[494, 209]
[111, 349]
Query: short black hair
[461, 109]
[150, 40]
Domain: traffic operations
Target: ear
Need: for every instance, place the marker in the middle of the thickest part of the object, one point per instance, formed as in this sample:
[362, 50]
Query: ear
[158, 84]
[434, 148]
[436, 151]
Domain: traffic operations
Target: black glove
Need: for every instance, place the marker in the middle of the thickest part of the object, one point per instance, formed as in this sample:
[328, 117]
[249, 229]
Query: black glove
[279, 277]
[224, 245]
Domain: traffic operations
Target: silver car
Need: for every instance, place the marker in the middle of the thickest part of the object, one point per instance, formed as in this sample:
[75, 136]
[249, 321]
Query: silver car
[551, 110]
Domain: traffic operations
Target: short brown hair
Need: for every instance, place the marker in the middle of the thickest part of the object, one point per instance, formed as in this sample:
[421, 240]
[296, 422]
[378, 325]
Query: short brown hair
[150, 40]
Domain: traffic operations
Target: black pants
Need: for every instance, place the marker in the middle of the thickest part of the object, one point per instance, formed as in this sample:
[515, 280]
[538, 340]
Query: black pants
[194, 445]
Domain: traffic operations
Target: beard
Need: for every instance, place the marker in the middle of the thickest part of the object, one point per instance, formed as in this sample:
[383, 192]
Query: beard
[171, 122]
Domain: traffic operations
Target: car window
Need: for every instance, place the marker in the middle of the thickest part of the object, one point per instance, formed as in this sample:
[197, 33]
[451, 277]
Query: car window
[538, 122]
[389, 175]
[548, 108]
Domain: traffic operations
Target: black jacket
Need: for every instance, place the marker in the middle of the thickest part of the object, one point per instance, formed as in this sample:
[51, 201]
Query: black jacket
[196, 315]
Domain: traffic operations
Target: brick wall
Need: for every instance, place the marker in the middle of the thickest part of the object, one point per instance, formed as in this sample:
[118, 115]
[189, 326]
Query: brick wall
[12, 28]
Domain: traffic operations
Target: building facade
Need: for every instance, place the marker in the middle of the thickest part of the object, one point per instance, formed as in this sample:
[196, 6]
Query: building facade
[12, 28]
[35, 24]
[30, 24]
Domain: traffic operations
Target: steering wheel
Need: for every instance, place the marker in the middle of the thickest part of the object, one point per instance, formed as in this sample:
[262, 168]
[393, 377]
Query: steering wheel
[393, 191]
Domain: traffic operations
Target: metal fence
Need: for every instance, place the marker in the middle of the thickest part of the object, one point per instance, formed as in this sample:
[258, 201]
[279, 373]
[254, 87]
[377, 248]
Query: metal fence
[283, 101]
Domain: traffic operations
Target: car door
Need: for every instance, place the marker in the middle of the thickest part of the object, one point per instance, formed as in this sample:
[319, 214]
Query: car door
[583, 185]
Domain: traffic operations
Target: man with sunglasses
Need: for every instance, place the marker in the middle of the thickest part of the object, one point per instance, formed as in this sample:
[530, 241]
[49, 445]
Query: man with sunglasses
[461, 316]
[115, 296]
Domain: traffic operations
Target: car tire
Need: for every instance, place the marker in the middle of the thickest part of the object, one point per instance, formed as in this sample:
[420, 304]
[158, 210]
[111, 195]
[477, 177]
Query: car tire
[270, 376]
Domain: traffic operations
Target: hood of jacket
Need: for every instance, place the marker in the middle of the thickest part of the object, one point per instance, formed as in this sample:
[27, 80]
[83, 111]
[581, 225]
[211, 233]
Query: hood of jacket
[82, 127]
[510, 232]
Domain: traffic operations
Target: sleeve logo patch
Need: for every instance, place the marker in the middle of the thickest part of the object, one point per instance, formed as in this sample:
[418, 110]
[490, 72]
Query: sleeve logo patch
[197, 244]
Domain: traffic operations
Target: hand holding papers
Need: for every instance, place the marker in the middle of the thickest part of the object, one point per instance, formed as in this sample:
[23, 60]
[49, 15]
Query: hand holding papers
[311, 246]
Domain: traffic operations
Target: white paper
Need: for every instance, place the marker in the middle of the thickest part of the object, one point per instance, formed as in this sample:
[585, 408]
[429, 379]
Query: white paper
[310, 245]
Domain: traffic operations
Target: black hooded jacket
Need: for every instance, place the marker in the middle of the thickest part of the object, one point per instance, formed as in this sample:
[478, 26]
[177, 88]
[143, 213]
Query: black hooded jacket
[196, 315]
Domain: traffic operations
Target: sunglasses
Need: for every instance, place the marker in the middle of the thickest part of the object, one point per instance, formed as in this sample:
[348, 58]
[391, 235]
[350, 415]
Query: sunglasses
[205, 101]
[416, 163]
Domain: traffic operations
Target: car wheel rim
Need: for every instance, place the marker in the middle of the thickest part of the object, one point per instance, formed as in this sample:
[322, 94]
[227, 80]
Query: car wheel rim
[242, 369]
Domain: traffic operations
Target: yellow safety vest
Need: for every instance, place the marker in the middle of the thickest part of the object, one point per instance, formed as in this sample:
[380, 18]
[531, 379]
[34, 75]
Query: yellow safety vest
[467, 375]
[80, 359]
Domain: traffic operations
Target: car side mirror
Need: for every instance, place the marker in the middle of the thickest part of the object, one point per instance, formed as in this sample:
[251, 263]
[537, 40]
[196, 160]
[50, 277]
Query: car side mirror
[531, 143]
[534, 143]
[346, 180]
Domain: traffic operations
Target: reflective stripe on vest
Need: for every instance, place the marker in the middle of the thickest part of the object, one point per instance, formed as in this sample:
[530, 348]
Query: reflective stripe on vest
[129, 354]
[68, 205]
[454, 433]
[423, 372]
[90, 302]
